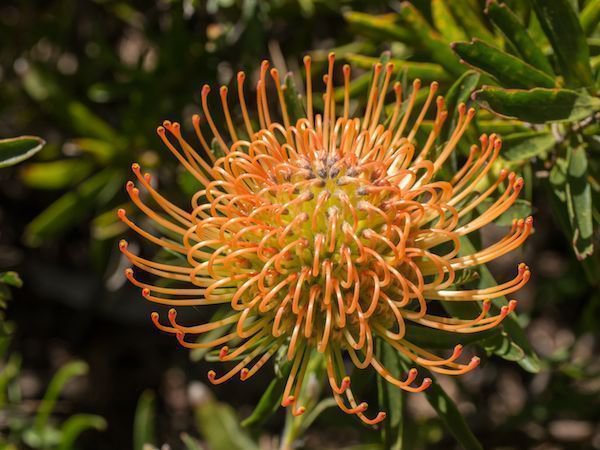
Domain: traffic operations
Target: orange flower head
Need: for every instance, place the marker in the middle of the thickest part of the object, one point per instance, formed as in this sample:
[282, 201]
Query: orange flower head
[326, 233]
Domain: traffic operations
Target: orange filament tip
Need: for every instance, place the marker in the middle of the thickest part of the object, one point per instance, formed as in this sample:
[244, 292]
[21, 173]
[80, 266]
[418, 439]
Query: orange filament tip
[121, 213]
[244, 374]
[146, 292]
[123, 244]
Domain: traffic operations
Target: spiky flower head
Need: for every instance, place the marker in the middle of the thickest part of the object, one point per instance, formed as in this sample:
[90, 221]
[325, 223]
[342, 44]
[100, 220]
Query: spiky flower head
[327, 233]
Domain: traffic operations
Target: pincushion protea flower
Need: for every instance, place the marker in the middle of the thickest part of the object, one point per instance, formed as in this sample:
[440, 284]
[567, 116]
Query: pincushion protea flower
[326, 234]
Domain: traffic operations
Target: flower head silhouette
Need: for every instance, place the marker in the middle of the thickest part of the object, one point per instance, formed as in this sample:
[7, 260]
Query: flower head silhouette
[326, 233]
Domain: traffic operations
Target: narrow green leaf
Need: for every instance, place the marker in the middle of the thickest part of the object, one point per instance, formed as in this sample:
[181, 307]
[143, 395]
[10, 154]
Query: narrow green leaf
[424, 71]
[219, 426]
[449, 414]
[77, 424]
[560, 23]
[525, 145]
[519, 209]
[10, 370]
[64, 374]
[590, 16]
[514, 31]
[293, 99]
[538, 105]
[15, 150]
[11, 278]
[270, 401]
[470, 20]
[69, 209]
[459, 92]
[562, 212]
[438, 339]
[190, 443]
[509, 70]
[390, 398]
[55, 174]
[144, 421]
[445, 23]
[579, 201]
[430, 40]
[378, 27]
[501, 127]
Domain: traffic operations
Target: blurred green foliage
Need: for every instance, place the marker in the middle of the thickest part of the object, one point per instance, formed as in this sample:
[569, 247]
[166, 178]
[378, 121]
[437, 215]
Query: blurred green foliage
[95, 78]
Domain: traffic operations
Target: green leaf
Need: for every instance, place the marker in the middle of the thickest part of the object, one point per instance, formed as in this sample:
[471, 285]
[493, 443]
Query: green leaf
[64, 374]
[430, 40]
[293, 99]
[509, 70]
[438, 339]
[525, 145]
[538, 105]
[270, 401]
[590, 16]
[73, 206]
[445, 22]
[55, 174]
[459, 92]
[519, 209]
[579, 201]
[144, 421]
[558, 202]
[190, 443]
[470, 20]
[15, 150]
[10, 370]
[448, 412]
[514, 31]
[77, 424]
[501, 127]
[381, 28]
[11, 278]
[219, 426]
[423, 71]
[390, 398]
[560, 23]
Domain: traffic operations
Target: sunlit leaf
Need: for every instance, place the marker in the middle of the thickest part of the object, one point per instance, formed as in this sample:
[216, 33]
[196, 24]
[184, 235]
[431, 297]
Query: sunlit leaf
[590, 16]
[525, 145]
[15, 150]
[445, 22]
[424, 71]
[430, 40]
[517, 34]
[538, 105]
[560, 23]
[509, 70]
[469, 18]
[383, 28]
